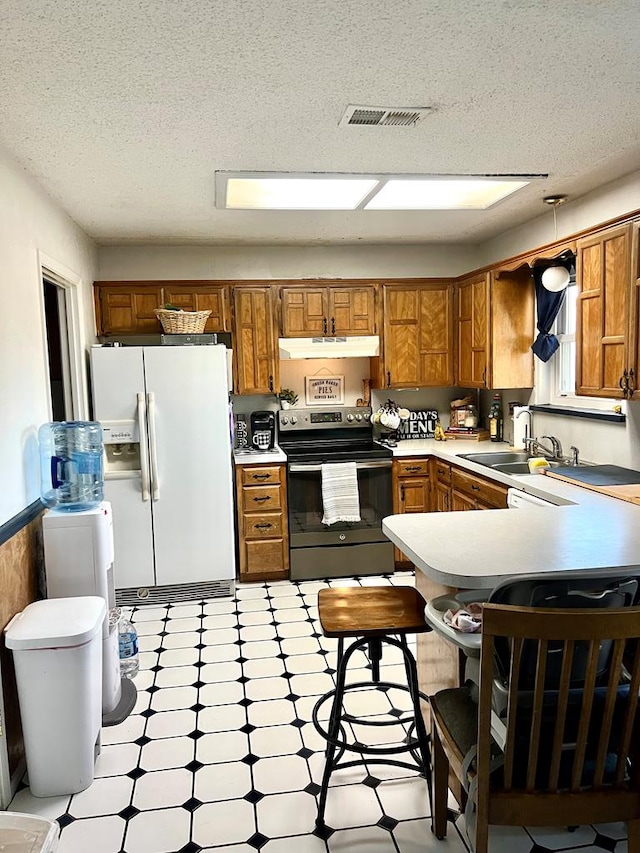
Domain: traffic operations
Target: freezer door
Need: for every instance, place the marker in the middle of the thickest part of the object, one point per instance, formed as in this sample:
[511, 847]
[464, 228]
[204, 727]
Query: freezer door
[190, 450]
[117, 377]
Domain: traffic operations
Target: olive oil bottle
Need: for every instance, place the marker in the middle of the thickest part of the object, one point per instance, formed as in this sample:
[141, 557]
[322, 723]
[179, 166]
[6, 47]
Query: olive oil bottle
[496, 419]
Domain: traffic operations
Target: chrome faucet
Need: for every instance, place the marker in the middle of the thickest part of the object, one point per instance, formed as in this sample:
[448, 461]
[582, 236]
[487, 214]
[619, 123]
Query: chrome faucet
[555, 452]
[574, 455]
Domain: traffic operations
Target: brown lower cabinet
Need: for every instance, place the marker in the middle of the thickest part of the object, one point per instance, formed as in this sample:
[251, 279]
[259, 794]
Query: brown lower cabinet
[263, 534]
[469, 491]
[411, 492]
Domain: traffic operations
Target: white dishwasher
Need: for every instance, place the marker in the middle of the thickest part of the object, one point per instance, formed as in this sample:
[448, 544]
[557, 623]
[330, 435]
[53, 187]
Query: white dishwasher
[517, 499]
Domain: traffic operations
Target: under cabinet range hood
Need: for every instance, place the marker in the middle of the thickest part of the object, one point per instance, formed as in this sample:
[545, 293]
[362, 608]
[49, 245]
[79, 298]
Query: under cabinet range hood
[337, 347]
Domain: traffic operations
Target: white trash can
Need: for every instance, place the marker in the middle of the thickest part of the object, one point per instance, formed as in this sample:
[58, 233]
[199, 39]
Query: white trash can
[57, 651]
[25, 833]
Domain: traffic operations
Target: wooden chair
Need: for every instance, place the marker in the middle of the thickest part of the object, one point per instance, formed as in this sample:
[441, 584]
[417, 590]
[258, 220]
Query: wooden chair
[566, 751]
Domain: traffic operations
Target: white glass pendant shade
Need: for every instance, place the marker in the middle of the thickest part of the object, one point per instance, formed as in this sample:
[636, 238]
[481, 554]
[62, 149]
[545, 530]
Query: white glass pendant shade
[555, 279]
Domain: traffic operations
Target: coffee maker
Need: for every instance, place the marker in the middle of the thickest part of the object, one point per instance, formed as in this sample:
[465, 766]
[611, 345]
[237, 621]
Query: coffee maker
[263, 430]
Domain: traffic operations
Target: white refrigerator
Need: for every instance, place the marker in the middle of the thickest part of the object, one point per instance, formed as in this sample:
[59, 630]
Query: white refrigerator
[168, 471]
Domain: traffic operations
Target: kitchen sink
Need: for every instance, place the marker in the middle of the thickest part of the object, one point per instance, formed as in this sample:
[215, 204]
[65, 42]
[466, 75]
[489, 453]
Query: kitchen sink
[497, 458]
[518, 467]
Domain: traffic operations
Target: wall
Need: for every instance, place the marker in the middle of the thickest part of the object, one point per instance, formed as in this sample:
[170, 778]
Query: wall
[29, 222]
[126, 263]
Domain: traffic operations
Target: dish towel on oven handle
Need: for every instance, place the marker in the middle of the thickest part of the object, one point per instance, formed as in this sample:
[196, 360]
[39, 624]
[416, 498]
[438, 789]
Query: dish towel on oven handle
[340, 497]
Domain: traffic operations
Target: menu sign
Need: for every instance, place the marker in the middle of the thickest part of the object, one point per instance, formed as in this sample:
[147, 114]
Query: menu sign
[420, 424]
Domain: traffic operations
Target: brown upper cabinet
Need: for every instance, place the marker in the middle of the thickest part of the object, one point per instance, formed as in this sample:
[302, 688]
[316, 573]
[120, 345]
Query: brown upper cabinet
[495, 329]
[128, 307]
[418, 336]
[253, 341]
[310, 311]
[605, 323]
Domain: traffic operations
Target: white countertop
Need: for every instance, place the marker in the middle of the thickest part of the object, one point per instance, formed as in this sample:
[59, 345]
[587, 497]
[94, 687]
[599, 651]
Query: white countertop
[478, 549]
[258, 457]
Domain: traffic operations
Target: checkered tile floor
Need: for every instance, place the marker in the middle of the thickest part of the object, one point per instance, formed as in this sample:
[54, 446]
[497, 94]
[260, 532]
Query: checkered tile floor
[220, 754]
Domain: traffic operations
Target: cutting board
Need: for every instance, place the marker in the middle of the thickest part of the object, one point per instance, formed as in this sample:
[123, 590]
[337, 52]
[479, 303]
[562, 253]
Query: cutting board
[610, 480]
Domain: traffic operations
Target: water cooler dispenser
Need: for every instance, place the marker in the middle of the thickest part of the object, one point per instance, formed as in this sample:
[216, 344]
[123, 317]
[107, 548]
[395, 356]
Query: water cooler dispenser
[78, 551]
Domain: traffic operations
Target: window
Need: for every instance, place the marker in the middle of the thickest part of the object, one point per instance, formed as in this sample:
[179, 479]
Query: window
[564, 361]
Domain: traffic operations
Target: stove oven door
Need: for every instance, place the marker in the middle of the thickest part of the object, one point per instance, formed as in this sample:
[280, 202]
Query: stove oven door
[304, 495]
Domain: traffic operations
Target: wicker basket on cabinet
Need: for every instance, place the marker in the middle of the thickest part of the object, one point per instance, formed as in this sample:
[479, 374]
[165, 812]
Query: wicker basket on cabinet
[182, 322]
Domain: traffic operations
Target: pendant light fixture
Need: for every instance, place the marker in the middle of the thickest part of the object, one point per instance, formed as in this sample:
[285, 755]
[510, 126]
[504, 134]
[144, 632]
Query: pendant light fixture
[555, 278]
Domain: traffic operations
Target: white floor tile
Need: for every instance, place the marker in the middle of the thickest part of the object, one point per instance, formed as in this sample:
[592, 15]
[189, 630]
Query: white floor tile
[300, 646]
[117, 760]
[174, 698]
[415, 836]
[179, 657]
[149, 628]
[300, 664]
[185, 611]
[149, 643]
[370, 838]
[312, 739]
[219, 621]
[216, 608]
[275, 740]
[234, 848]
[162, 789]
[219, 637]
[258, 632]
[217, 782]
[282, 588]
[223, 823]
[378, 735]
[366, 703]
[149, 614]
[616, 831]
[181, 640]
[166, 753]
[290, 615]
[222, 718]
[263, 668]
[99, 835]
[147, 660]
[286, 814]
[404, 799]
[243, 593]
[346, 776]
[295, 629]
[49, 807]
[143, 679]
[281, 774]
[221, 747]
[314, 684]
[266, 649]
[253, 605]
[299, 844]
[129, 730]
[177, 676]
[260, 618]
[555, 838]
[179, 626]
[162, 831]
[305, 706]
[103, 797]
[143, 700]
[272, 713]
[221, 693]
[267, 688]
[229, 671]
[222, 653]
[171, 724]
[352, 805]
[284, 602]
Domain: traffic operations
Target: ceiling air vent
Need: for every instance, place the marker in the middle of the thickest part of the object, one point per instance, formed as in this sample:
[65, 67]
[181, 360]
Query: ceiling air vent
[383, 116]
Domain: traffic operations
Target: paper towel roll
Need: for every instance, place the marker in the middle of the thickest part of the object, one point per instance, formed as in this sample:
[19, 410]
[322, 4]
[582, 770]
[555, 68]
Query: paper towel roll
[521, 426]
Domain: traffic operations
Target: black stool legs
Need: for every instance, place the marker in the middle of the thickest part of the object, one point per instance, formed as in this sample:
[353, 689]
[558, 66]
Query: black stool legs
[335, 734]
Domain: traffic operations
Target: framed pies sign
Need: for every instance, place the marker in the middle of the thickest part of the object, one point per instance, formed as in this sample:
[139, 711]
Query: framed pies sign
[324, 390]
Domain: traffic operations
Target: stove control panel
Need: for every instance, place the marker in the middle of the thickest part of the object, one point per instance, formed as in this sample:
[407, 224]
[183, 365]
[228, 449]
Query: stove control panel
[323, 418]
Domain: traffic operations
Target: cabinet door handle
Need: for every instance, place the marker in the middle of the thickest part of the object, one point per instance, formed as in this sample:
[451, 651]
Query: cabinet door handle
[441, 471]
[324, 325]
[270, 382]
[484, 377]
[475, 488]
[446, 501]
[412, 468]
[263, 526]
[631, 386]
[388, 378]
[333, 325]
[261, 476]
[262, 499]
[402, 493]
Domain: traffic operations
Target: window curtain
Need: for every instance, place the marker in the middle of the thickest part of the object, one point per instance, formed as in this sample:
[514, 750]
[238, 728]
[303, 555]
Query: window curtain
[548, 306]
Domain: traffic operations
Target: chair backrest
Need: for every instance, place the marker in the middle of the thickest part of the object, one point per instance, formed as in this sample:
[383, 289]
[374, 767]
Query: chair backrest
[566, 731]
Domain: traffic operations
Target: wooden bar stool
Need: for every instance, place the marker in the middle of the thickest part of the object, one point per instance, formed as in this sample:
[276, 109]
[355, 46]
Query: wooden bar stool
[373, 616]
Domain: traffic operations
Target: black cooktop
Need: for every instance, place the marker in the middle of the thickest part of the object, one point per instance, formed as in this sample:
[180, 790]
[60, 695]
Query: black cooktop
[336, 450]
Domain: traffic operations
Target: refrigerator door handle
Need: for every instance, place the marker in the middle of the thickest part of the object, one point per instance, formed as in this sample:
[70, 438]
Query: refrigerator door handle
[144, 459]
[151, 408]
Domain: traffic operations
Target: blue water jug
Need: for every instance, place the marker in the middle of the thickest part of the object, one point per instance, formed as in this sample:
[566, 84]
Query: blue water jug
[71, 465]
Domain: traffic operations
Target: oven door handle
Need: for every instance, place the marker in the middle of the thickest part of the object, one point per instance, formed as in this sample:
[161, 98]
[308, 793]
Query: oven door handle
[297, 468]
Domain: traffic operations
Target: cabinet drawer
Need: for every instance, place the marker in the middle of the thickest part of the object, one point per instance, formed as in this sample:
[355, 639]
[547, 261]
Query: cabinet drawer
[442, 471]
[254, 476]
[261, 498]
[268, 555]
[263, 526]
[411, 467]
[492, 494]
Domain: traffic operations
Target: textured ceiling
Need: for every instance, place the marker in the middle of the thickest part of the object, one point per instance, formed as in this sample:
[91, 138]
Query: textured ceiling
[123, 111]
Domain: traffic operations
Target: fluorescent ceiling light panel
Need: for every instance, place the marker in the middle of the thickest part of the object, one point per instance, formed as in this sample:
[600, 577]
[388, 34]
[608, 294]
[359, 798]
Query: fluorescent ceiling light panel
[293, 193]
[441, 194]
